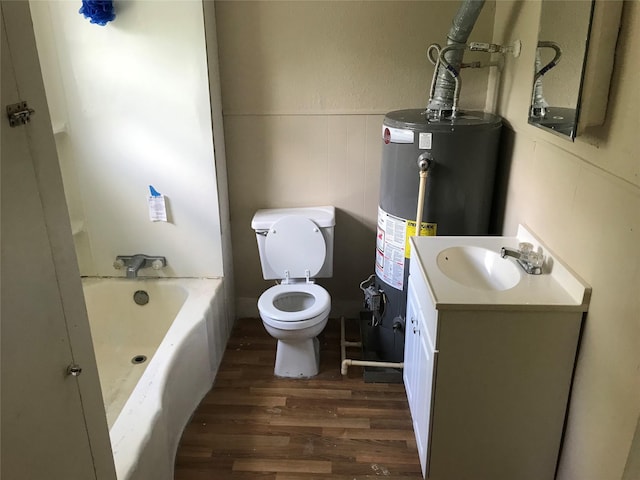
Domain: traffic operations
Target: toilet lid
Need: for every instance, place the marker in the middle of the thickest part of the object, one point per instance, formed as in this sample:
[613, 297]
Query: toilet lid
[319, 304]
[295, 244]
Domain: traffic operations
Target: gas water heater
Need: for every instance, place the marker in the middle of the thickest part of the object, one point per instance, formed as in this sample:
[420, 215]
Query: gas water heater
[462, 153]
[444, 156]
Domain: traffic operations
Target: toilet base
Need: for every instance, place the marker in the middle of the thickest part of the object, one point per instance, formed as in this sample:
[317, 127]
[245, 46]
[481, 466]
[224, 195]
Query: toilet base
[300, 359]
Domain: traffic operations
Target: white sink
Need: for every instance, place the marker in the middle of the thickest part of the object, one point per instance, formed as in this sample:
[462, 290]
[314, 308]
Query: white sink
[478, 267]
[468, 271]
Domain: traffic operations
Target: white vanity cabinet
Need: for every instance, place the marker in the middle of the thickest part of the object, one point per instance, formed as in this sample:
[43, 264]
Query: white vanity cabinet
[419, 360]
[487, 383]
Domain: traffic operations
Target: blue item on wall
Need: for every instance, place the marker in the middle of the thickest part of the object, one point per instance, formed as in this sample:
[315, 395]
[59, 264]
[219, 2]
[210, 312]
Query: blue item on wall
[98, 11]
[154, 192]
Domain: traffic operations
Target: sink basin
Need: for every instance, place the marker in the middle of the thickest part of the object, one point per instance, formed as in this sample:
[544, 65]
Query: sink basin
[467, 271]
[478, 267]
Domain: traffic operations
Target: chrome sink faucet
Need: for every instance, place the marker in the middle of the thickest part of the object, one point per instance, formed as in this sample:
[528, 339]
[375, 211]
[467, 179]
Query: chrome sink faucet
[133, 263]
[530, 261]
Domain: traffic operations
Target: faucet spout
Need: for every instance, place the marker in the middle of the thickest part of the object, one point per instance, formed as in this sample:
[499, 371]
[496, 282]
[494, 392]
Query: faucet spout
[530, 261]
[134, 265]
[509, 252]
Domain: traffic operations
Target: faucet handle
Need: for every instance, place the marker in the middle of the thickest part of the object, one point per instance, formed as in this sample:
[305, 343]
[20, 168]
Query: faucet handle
[535, 259]
[158, 263]
[118, 264]
[528, 255]
[525, 247]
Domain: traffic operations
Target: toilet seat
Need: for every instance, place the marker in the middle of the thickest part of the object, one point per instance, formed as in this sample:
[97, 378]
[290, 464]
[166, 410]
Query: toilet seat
[289, 320]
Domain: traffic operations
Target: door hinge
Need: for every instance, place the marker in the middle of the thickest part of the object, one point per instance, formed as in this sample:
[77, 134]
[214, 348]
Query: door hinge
[19, 114]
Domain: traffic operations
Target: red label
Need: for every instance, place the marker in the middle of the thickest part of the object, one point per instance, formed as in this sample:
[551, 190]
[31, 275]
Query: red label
[387, 136]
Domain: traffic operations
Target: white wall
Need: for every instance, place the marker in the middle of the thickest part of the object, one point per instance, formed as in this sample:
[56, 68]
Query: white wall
[130, 102]
[305, 86]
[583, 199]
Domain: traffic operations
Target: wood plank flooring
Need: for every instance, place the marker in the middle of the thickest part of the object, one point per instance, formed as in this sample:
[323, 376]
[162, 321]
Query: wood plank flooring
[252, 425]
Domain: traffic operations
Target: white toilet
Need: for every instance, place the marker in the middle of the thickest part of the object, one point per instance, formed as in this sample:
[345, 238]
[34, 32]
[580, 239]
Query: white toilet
[296, 246]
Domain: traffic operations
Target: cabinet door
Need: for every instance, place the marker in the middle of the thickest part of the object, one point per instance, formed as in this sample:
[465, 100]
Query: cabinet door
[425, 364]
[418, 370]
[411, 347]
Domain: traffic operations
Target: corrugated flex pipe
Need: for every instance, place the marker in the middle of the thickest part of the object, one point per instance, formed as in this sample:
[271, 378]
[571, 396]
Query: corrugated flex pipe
[442, 92]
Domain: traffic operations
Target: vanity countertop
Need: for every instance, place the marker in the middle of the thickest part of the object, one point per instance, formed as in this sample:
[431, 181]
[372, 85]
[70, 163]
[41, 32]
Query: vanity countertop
[556, 288]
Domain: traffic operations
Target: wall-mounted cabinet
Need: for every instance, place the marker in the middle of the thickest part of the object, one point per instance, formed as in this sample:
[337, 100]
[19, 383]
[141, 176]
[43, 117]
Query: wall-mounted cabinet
[488, 385]
[574, 62]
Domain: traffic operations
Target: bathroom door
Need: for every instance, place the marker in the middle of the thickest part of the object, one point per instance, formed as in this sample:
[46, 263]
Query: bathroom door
[53, 423]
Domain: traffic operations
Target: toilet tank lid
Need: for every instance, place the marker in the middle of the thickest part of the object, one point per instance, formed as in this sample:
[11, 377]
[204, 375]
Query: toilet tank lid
[324, 216]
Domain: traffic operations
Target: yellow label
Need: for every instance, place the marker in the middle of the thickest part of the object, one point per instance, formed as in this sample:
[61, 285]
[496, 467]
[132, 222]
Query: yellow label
[426, 230]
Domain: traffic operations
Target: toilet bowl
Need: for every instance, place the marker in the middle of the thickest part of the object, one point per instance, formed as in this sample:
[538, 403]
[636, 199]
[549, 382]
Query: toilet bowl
[295, 246]
[295, 314]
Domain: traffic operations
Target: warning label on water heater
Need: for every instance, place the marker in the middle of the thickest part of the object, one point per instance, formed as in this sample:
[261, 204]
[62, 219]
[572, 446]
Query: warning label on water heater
[392, 246]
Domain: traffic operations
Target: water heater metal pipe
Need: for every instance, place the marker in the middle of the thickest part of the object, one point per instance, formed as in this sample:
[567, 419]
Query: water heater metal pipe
[424, 162]
[443, 92]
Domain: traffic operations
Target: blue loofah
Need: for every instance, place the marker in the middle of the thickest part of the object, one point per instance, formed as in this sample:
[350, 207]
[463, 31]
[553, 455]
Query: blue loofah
[98, 11]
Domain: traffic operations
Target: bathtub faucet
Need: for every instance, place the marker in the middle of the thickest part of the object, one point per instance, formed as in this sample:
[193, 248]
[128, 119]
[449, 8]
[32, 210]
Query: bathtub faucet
[133, 263]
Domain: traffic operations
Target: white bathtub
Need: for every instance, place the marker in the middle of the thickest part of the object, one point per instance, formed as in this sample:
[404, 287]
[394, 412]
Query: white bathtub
[182, 331]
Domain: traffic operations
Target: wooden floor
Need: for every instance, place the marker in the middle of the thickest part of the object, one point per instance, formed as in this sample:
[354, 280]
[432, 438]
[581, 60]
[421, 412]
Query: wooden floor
[252, 425]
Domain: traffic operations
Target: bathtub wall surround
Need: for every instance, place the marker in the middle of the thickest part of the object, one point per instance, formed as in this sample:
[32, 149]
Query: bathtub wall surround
[122, 122]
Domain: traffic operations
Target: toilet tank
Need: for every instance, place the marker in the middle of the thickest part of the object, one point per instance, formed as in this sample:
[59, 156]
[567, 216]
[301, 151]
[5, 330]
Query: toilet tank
[324, 217]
